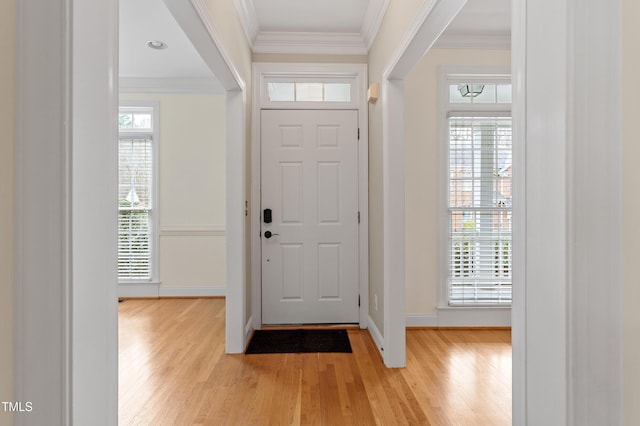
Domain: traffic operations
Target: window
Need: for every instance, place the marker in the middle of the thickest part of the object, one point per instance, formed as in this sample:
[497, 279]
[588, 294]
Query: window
[309, 91]
[479, 193]
[136, 194]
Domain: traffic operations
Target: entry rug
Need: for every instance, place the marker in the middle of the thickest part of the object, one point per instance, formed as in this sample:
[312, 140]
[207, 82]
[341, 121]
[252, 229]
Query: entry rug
[296, 341]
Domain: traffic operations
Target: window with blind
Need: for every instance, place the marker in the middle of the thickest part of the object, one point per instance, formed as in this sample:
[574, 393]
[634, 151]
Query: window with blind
[136, 168]
[479, 210]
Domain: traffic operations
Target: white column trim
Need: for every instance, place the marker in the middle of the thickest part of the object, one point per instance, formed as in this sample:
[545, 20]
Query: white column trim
[595, 214]
[393, 223]
[43, 250]
[518, 305]
[432, 18]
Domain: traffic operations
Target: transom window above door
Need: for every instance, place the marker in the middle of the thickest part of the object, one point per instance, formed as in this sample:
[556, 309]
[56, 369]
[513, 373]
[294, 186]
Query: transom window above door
[313, 92]
[309, 92]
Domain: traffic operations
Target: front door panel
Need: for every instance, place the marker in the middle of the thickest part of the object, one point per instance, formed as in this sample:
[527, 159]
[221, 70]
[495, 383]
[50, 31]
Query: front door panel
[310, 185]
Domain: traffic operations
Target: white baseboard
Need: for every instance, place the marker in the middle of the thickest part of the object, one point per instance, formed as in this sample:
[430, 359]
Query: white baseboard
[462, 317]
[474, 317]
[377, 336]
[248, 328]
[421, 320]
[138, 290]
[208, 291]
[156, 290]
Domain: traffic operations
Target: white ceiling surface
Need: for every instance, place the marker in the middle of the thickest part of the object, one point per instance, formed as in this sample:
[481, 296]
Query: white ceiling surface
[480, 23]
[326, 16]
[350, 26]
[311, 26]
[144, 20]
[283, 26]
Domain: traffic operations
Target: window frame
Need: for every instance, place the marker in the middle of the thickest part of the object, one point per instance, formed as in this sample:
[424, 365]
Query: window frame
[446, 109]
[154, 215]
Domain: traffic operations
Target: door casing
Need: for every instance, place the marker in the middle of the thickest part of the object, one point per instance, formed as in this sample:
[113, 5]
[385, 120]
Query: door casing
[358, 74]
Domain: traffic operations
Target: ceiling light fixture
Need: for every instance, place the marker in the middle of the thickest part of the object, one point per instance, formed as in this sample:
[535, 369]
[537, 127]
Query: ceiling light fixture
[157, 44]
[470, 90]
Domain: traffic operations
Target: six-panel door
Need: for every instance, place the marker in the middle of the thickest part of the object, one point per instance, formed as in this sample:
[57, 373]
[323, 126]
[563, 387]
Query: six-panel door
[310, 182]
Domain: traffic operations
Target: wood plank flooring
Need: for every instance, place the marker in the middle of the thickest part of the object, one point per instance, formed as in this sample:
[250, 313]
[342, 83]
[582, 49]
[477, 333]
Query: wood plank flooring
[173, 371]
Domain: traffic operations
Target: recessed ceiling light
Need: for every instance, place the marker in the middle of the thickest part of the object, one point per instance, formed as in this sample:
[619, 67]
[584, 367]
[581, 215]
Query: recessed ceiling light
[157, 44]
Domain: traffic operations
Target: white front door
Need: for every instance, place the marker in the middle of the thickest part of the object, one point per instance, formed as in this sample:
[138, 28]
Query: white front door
[310, 242]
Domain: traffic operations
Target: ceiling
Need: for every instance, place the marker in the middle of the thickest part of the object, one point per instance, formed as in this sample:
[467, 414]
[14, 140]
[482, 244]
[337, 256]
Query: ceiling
[178, 67]
[480, 23]
[310, 15]
[283, 26]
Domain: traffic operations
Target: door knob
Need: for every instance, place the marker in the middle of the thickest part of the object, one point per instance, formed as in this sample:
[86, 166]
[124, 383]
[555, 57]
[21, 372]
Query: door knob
[269, 234]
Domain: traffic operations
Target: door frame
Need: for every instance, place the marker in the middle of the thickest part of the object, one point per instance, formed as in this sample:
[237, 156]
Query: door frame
[261, 73]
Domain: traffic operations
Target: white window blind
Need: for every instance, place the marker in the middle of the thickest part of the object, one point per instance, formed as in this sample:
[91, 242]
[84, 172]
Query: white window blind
[480, 170]
[135, 195]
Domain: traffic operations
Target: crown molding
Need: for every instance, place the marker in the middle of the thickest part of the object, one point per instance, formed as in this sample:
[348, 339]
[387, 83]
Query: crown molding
[372, 20]
[170, 85]
[249, 19]
[468, 41]
[310, 43]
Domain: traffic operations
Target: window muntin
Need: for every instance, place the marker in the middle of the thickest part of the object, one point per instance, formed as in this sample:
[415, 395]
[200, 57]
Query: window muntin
[135, 194]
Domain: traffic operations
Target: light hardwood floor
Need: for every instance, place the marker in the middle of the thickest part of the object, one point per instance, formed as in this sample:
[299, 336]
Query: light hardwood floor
[173, 371]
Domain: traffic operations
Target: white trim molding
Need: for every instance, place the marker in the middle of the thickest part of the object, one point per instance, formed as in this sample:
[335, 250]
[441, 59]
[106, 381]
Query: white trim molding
[145, 290]
[43, 274]
[248, 19]
[372, 20]
[262, 72]
[462, 317]
[376, 336]
[192, 231]
[317, 43]
[421, 320]
[474, 316]
[310, 43]
[566, 323]
[192, 291]
[170, 85]
[467, 41]
[155, 290]
[431, 20]
[248, 329]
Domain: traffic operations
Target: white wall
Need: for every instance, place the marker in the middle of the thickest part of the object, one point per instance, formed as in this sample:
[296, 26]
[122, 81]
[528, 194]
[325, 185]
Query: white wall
[7, 82]
[423, 171]
[192, 192]
[631, 207]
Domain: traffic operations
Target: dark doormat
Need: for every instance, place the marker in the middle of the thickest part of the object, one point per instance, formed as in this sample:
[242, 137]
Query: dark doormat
[295, 341]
